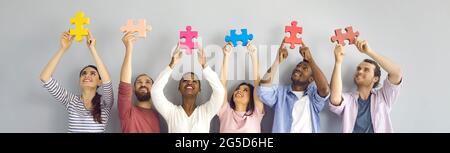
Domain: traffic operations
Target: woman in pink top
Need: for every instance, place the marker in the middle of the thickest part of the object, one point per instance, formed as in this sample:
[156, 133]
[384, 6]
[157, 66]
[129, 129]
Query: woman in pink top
[244, 112]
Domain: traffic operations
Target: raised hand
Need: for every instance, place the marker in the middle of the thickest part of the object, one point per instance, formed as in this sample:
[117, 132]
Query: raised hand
[128, 39]
[66, 40]
[176, 56]
[282, 52]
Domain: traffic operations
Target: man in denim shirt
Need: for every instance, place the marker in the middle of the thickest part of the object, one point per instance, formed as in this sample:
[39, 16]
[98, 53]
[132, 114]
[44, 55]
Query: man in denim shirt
[296, 105]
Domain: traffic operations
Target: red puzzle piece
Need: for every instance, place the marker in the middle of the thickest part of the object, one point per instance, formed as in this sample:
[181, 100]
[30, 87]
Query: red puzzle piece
[188, 35]
[340, 37]
[293, 30]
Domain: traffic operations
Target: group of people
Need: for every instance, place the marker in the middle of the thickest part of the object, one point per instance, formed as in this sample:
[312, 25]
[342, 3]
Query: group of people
[296, 105]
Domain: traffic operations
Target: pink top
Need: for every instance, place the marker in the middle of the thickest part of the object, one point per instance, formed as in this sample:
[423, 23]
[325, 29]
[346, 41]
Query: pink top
[235, 122]
[380, 108]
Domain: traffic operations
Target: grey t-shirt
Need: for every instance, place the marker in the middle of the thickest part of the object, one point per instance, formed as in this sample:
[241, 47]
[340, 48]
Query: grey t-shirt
[363, 123]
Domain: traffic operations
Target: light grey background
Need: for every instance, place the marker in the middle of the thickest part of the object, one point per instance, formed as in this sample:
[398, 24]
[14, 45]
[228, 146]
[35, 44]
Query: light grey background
[414, 34]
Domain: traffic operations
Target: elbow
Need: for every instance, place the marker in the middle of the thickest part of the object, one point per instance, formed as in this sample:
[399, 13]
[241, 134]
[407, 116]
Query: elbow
[221, 91]
[43, 77]
[324, 91]
[399, 72]
[336, 100]
[155, 92]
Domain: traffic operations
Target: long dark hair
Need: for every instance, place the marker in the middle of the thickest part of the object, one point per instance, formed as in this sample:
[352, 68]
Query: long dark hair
[97, 111]
[251, 101]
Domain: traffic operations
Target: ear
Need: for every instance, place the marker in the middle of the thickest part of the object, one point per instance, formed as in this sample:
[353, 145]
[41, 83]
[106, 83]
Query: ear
[376, 79]
[311, 79]
[99, 83]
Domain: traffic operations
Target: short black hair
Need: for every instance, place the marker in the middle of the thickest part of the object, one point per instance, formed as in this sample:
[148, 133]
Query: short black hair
[195, 76]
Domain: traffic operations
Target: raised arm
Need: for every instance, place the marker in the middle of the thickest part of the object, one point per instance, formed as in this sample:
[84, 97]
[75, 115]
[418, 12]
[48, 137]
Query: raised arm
[319, 77]
[224, 72]
[125, 87]
[336, 78]
[218, 91]
[161, 103]
[65, 41]
[393, 69]
[281, 56]
[253, 52]
[98, 61]
[125, 74]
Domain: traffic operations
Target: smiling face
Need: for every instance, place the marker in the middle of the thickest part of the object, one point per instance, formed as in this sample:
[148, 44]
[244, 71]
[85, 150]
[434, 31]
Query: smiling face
[302, 74]
[242, 94]
[142, 86]
[189, 85]
[89, 77]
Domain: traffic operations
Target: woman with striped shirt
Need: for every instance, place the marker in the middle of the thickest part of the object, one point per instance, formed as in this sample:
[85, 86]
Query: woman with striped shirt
[90, 111]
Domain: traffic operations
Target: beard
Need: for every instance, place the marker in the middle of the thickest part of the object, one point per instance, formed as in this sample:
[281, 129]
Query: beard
[301, 83]
[142, 96]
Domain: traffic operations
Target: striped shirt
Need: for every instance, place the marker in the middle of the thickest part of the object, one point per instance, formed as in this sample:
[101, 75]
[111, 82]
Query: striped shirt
[81, 119]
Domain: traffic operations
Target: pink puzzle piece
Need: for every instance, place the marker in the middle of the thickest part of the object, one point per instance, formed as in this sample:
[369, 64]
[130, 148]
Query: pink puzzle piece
[341, 37]
[293, 30]
[188, 35]
[141, 27]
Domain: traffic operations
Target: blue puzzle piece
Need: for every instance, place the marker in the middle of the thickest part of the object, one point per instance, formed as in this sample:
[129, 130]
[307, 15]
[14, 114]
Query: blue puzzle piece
[243, 37]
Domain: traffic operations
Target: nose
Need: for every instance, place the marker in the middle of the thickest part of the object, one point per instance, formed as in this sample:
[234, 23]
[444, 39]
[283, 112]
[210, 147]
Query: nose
[189, 83]
[360, 71]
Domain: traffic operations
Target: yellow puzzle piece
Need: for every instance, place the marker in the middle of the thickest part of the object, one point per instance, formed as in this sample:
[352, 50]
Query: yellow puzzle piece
[79, 20]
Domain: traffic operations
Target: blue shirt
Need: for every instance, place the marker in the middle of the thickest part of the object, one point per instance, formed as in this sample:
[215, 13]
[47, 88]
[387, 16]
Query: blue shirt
[282, 99]
[363, 123]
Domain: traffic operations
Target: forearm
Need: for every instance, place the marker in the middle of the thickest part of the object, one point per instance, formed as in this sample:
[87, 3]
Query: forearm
[218, 92]
[389, 66]
[51, 66]
[224, 71]
[103, 72]
[161, 103]
[336, 85]
[320, 79]
[125, 74]
[256, 77]
[267, 79]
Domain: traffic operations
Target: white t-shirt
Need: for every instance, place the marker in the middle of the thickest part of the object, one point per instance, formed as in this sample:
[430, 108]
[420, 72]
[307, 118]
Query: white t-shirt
[301, 114]
[177, 119]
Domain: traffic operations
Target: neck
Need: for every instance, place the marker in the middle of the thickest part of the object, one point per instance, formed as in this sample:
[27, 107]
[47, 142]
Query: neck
[240, 107]
[189, 105]
[87, 94]
[298, 87]
[144, 104]
[364, 92]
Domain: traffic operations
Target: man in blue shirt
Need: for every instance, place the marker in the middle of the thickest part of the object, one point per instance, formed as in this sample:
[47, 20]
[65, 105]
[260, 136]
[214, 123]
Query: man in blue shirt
[296, 105]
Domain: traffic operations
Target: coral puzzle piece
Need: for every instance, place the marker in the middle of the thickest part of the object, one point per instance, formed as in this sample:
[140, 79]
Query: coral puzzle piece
[79, 20]
[243, 37]
[293, 31]
[188, 36]
[341, 37]
[141, 27]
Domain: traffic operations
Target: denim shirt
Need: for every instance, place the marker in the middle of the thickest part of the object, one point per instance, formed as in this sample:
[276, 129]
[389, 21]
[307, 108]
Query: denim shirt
[282, 99]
